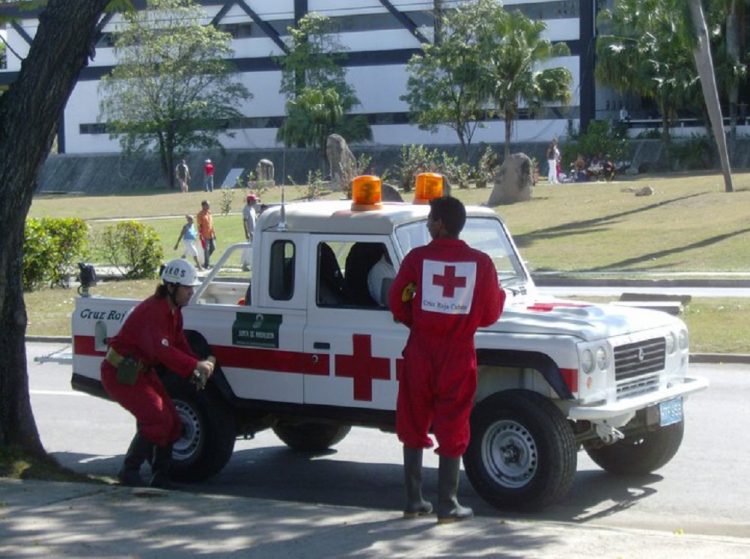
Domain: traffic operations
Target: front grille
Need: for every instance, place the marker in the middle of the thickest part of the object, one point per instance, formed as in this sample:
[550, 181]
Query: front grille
[639, 358]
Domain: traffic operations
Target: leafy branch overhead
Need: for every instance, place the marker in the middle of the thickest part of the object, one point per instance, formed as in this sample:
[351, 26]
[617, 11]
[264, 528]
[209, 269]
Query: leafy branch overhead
[173, 90]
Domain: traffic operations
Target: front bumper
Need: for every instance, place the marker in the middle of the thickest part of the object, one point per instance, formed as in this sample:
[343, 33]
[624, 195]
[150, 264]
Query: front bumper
[631, 405]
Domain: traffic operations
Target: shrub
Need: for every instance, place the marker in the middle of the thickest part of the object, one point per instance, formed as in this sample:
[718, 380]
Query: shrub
[51, 248]
[227, 198]
[133, 248]
[600, 138]
[419, 159]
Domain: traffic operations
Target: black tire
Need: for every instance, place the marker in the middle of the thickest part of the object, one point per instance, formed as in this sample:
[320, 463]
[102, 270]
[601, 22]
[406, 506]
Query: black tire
[310, 436]
[209, 432]
[522, 454]
[638, 455]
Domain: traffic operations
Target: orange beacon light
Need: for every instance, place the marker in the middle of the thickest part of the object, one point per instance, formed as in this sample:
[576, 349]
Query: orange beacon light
[366, 193]
[428, 186]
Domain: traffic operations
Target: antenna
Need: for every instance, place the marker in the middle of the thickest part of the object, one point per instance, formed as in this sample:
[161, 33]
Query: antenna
[282, 224]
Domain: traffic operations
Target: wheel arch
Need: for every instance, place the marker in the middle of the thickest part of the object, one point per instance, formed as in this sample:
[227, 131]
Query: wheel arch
[518, 361]
[202, 349]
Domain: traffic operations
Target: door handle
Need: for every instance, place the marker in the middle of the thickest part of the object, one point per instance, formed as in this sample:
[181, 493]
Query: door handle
[321, 345]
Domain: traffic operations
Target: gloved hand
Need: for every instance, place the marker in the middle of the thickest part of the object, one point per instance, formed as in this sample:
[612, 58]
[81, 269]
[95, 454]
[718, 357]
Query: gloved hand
[409, 292]
[203, 371]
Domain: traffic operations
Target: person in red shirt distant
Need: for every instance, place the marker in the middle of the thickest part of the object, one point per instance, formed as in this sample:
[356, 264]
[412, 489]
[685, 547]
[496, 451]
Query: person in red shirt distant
[152, 335]
[208, 176]
[443, 292]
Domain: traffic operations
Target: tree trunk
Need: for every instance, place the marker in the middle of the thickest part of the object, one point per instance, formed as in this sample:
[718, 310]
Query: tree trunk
[705, 65]
[29, 112]
[733, 53]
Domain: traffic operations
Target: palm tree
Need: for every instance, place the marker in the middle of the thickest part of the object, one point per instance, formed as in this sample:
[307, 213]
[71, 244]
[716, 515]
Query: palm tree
[513, 52]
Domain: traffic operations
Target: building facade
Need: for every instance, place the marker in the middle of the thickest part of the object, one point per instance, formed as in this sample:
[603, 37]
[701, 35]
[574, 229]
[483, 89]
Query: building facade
[379, 37]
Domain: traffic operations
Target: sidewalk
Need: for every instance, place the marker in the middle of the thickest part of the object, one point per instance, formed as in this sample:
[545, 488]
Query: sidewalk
[53, 519]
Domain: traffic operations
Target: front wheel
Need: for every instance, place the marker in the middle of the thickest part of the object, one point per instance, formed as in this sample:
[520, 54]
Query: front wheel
[522, 454]
[310, 436]
[638, 455]
[208, 436]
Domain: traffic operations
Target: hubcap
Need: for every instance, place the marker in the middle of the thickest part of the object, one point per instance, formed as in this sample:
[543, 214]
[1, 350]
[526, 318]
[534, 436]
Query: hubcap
[509, 454]
[185, 447]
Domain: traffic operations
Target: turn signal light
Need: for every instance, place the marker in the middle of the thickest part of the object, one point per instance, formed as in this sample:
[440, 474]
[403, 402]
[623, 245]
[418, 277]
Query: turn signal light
[366, 193]
[428, 186]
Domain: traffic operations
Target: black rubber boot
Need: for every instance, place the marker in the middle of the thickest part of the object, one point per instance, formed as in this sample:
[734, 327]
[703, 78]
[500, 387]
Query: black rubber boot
[449, 510]
[415, 504]
[160, 465]
[138, 451]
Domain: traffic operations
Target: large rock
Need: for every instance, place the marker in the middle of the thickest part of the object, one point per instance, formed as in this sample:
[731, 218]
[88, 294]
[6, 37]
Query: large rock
[264, 171]
[341, 162]
[513, 181]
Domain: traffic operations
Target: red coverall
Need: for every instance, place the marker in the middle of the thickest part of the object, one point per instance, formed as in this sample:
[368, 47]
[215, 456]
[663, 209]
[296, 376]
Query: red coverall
[152, 334]
[457, 292]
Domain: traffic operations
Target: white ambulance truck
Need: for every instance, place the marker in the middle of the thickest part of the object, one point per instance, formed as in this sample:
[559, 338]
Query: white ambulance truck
[304, 349]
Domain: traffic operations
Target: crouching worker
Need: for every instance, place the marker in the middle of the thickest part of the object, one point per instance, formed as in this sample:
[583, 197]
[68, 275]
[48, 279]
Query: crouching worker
[152, 335]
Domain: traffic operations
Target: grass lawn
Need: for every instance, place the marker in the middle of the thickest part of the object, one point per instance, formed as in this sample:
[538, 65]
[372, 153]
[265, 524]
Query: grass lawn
[689, 225]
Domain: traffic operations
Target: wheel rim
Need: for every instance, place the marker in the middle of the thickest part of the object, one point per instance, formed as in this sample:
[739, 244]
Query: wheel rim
[510, 454]
[186, 446]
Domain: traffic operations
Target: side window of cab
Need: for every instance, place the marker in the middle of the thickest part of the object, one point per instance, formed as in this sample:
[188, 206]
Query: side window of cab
[281, 271]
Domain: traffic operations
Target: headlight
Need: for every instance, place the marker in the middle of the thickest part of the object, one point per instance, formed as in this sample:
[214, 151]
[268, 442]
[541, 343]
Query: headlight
[683, 339]
[671, 340]
[587, 361]
[601, 358]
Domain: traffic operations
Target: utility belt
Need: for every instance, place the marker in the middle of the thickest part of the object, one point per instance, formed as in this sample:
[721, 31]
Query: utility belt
[128, 368]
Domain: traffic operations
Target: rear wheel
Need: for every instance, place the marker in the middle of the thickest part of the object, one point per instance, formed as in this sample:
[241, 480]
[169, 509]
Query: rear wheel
[522, 454]
[310, 436]
[209, 432]
[638, 455]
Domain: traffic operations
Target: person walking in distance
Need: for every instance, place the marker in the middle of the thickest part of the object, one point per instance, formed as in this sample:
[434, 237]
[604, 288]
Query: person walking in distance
[206, 231]
[208, 176]
[442, 292]
[152, 336]
[188, 235]
[182, 172]
[553, 158]
[249, 215]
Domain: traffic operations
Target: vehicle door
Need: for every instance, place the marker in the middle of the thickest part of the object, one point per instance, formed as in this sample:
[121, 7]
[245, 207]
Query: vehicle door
[256, 329]
[347, 328]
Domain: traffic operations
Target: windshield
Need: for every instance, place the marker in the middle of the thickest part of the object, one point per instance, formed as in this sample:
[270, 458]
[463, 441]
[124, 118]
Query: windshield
[481, 233]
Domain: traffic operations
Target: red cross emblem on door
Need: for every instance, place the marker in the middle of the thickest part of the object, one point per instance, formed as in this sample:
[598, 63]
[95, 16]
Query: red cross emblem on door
[449, 281]
[362, 367]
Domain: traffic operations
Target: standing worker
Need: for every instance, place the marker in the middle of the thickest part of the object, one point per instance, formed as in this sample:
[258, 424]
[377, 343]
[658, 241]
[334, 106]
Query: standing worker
[206, 232]
[182, 172]
[152, 335]
[443, 292]
[208, 176]
[249, 215]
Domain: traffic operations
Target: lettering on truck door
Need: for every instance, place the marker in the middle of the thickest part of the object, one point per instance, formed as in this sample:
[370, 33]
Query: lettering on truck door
[348, 327]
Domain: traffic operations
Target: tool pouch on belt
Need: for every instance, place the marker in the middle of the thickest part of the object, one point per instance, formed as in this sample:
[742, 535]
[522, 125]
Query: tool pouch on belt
[127, 367]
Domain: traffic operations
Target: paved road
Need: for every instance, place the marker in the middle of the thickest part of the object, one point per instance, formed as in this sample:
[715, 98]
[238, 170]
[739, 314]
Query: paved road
[702, 491]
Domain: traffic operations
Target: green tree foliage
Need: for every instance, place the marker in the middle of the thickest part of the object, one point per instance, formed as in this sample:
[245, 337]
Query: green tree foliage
[133, 248]
[51, 248]
[500, 66]
[444, 86]
[647, 50]
[173, 90]
[319, 99]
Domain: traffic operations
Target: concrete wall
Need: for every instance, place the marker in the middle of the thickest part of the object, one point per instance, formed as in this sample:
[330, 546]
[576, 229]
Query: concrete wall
[104, 174]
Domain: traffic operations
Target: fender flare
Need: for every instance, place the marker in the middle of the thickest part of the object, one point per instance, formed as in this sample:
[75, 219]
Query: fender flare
[528, 359]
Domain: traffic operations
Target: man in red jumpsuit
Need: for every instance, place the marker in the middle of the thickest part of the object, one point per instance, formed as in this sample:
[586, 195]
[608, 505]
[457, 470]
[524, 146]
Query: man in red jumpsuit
[443, 292]
[152, 335]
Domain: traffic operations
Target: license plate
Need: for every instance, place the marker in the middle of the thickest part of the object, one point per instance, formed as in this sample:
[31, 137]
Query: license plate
[670, 412]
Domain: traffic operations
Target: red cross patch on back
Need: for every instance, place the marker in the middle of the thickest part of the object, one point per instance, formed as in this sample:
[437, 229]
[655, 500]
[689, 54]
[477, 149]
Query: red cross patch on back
[448, 287]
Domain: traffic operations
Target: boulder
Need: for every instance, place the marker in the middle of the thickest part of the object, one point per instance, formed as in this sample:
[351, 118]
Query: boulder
[513, 181]
[264, 171]
[341, 162]
[390, 193]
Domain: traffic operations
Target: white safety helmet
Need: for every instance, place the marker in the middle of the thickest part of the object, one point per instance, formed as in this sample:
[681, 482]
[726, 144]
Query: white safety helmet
[180, 271]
